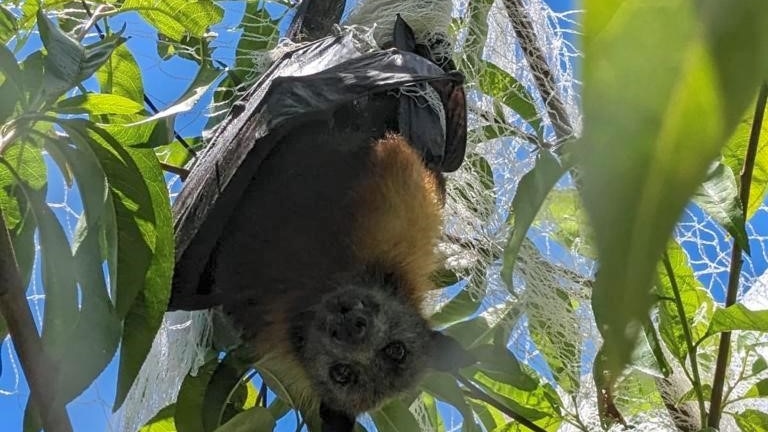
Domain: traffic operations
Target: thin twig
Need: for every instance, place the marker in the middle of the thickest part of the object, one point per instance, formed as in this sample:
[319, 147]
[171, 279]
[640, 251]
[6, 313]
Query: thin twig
[475, 392]
[38, 369]
[716, 400]
[696, 381]
[179, 171]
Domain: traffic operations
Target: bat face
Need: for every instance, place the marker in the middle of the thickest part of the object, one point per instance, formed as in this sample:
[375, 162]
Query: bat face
[361, 345]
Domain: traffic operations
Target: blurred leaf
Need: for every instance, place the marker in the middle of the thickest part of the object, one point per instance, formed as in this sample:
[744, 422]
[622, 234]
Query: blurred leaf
[531, 192]
[394, 417]
[8, 25]
[457, 309]
[690, 395]
[759, 365]
[175, 18]
[719, 197]
[654, 344]
[697, 302]
[12, 81]
[67, 63]
[162, 421]
[121, 75]
[27, 162]
[751, 420]
[671, 110]
[253, 419]
[499, 364]
[735, 150]
[760, 389]
[498, 83]
[96, 104]
[563, 210]
[737, 317]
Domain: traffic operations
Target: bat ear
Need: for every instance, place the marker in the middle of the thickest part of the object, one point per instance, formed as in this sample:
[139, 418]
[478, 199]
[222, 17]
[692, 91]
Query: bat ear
[334, 420]
[402, 35]
[448, 355]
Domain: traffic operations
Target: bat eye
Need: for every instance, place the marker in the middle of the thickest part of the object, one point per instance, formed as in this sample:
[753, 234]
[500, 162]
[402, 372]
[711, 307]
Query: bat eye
[395, 351]
[341, 373]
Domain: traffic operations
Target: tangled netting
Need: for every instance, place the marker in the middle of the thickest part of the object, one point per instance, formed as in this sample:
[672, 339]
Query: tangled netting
[547, 307]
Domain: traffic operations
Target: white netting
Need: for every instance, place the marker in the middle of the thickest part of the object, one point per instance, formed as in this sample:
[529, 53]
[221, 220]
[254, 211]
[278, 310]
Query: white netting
[551, 281]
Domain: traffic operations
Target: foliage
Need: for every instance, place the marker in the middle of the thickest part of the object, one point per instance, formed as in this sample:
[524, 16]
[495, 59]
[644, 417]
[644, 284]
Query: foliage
[664, 127]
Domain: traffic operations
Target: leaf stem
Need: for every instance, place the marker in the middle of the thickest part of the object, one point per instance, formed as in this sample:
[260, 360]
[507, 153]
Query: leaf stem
[696, 381]
[716, 401]
[475, 392]
[37, 367]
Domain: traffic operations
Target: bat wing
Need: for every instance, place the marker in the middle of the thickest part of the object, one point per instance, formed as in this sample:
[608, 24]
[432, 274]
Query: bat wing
[310, 82]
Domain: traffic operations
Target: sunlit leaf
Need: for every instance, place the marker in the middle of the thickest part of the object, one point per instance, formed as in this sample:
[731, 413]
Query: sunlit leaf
[735, 150]
[719, 197]
[67, 63]
[120, 75]
[738, 317]
[174, 18]
[162, 421]
[444, 387]
[697, 302]
[500, 84]
[97, 103]
[751, 420]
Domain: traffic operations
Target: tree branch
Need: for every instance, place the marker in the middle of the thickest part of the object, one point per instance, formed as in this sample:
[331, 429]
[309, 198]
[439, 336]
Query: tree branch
[542, 74]
[716, 400]
[314, 19]
[21, 326]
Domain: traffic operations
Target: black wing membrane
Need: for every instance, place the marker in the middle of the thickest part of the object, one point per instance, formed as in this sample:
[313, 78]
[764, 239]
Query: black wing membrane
[329, 79]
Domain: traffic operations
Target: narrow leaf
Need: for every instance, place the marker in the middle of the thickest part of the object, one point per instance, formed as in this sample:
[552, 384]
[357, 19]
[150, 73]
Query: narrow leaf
[498, 83]
[531, 193]
[751, 420]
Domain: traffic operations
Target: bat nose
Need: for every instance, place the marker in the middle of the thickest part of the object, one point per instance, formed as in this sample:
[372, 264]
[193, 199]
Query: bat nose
[352, 328]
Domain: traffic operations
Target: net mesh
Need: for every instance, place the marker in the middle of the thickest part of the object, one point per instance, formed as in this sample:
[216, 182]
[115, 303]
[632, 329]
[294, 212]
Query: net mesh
[551, 283]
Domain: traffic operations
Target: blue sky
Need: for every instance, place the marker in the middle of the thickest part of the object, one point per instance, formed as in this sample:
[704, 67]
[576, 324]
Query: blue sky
[164, 81]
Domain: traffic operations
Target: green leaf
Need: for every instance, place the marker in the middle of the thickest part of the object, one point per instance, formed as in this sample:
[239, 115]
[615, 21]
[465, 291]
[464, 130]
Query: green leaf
[536, 405]
[175, 154]
[120, 75]
[189, 403]
[735, 150]
[759, 365]
[12, 76]
[751, 420]
[737, 317]
[144, 250]
[564, 211]
[175, 18]
[162, 421]
[252, 419]
[698, 304]
[459, 308]
[67, 63]
[760, 389]
[653, 122]
[205, 77]
[443, 386]
[719, 197]
[394, 417]
[530, 195]
[497, 363]
[96, 104]
[8, 25]
[218, 404]
[498, 83]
